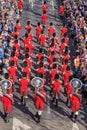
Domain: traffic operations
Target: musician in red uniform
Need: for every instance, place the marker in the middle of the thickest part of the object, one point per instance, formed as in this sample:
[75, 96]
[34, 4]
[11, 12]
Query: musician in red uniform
[28, 60]
[7, 106]
[28, 26]
[53, 72]
[18, 26]
[62, 46]
[62, 10]
[44, 7]
[56, 88]
[75, 101]
[20, 6]
[15, 33]
[64, 66]
[67, 75]
[7, 100]
[52, 48]
[63, 31]
[41, 69]
[40, 55]
[30, 36]
[39, 102]
[26, 69]
[44, 18]
[12, 71]
[24, 86]
[38, 30]
[13, 58]
[25, 40]
[51, 30]
[16, 45]
[42, 39]
[30, 47]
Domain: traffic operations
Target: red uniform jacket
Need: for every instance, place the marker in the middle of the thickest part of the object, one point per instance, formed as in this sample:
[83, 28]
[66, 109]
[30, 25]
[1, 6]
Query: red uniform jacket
[39, 102]
[61, 48]
[25, 41]
[56, 88]
[66, 76]
[20, 4]
[63, 31]
[12, 72]
[75, 103]
[52, 75]
[30, 37]
[63, 69]
[7, 104]
[44, 19]
[18, 26]
[42, 39]
[38, 31]
[66, 40]
[61, 10]
[51, 30]
[44, 7]
[40, 70]
[15, 59]
[24, 86]
[27, 70]
[28, 27]
[30, 47]
[15, 34]
[39, 56]
[29, 62]
[17, 46]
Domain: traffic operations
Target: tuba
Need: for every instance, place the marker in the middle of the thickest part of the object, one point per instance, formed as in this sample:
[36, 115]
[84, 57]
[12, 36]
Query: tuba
[76, 85]
[4, 86]
[37, 83]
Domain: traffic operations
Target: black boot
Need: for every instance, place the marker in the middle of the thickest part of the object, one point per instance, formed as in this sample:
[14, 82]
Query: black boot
[6, 118]
[53, 99]
[39, 116]
[36, 114]
[75, 119]
[21, 99]
[67, 101]
[56, 103]
[72, 114]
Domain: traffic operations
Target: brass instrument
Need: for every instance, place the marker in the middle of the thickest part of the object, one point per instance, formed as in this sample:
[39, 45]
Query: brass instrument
[76, 85]
[37, 83]
[4, 86]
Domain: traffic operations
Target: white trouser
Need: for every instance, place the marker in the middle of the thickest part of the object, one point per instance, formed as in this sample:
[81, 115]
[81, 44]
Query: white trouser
[40, 112]
[77, 112]
[57, 97]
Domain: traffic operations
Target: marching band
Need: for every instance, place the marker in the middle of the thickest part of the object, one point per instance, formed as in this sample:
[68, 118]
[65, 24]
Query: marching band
[50, 44]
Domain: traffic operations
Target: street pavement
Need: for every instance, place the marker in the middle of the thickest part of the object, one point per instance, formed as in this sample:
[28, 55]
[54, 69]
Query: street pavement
[22, 117]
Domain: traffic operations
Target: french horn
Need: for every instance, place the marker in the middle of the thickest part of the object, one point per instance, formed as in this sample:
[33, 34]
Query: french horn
[76, 84]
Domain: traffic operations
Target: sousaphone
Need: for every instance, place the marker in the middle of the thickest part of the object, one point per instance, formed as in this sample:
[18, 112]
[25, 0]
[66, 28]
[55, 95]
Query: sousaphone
[4, 86]
[76, 85]
[37, 83]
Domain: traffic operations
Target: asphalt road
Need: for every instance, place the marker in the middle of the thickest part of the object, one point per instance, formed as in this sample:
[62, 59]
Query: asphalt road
[53, 118]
